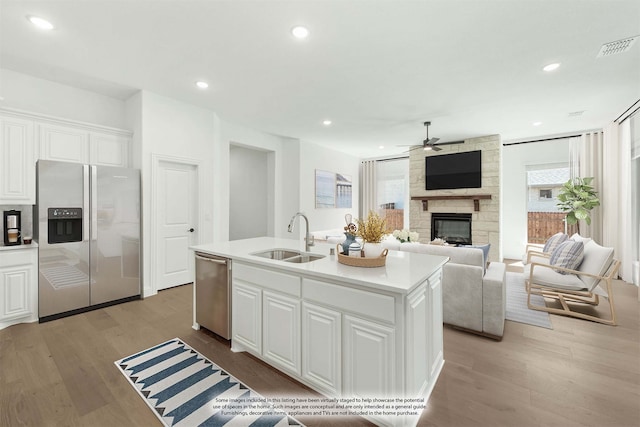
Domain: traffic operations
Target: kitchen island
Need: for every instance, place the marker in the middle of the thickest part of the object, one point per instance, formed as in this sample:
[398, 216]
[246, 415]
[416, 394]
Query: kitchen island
[353, 332]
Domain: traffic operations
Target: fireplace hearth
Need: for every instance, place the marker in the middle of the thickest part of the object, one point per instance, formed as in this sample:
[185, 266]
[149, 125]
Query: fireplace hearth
[454, 228]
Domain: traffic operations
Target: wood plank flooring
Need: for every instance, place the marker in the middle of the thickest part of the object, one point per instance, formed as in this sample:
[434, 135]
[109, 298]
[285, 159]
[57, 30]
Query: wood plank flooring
[581, 373]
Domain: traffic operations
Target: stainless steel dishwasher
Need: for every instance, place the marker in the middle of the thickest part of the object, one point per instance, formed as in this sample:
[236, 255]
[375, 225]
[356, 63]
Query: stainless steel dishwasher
[213, 293]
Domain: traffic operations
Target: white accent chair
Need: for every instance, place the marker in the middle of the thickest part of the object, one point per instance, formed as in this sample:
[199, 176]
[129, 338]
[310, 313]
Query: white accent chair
[585, 285]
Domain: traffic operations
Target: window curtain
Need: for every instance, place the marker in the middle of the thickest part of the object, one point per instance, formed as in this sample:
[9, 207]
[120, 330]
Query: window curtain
[369, 188]
[616, 195]
[586, 161]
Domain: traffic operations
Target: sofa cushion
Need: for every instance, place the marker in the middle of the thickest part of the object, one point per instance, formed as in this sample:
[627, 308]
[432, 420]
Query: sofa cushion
[549, 277]
[568, 254]
[597, 260]
[553, 241]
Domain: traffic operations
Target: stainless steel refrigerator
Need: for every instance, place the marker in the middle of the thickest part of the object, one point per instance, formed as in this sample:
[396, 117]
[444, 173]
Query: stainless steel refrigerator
[87, 223]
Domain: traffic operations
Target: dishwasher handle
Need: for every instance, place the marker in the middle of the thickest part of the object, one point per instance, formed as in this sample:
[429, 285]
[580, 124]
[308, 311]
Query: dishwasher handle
[214, 260]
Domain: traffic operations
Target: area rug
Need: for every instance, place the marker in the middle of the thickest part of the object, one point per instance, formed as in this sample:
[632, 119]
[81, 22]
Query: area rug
[184, 388]
[517, 309]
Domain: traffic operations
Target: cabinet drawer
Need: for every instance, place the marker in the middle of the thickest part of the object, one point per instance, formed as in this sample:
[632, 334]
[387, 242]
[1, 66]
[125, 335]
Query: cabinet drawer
[18, 257]
[267, 279]
[369, 304]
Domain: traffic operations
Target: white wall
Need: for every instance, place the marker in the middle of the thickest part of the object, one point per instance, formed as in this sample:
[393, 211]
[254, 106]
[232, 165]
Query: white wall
[27, 93]
[515, 160]
[172, 128]
[249, 210]
[312, 157]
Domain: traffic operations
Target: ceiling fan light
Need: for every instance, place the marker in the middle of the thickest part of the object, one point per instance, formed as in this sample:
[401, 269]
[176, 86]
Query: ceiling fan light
[428, 148]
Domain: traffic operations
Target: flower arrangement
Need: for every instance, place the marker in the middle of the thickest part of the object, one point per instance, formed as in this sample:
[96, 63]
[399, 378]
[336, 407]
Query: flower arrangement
[405, 235]
[373, 229]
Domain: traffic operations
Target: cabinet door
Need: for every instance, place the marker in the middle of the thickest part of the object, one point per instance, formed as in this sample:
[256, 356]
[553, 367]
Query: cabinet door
[108, 150]
[369, 361]
[64, 144]
[434, 324]
[281, 331]
[419, 331]
[16, 292]
[321, 348]
[247, 316]
[17, 176]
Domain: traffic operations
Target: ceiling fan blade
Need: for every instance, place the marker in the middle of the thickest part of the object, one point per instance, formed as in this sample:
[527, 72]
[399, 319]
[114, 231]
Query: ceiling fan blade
[436, 148]
[433, 141]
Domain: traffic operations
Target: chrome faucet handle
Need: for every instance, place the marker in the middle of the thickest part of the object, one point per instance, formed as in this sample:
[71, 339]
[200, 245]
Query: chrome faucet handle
[311, 240]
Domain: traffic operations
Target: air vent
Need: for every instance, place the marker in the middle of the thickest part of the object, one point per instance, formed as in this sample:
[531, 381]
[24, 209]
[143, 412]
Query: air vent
[618, 46]
[576, 113]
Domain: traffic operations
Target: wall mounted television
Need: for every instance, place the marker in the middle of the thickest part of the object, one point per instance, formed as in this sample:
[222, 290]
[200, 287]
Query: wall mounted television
[456, 170]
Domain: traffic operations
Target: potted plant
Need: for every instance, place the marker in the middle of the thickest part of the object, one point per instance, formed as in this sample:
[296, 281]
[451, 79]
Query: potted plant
[577, 197]
[372, 230]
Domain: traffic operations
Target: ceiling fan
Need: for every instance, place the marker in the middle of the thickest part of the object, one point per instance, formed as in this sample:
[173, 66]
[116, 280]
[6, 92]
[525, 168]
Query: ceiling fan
[430, 143]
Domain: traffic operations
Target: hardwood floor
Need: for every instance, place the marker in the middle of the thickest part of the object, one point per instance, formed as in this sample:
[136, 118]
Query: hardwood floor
[580, 373]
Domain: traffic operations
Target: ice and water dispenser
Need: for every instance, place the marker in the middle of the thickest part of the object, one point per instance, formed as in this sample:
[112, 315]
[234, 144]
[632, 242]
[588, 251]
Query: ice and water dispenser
[64, 225]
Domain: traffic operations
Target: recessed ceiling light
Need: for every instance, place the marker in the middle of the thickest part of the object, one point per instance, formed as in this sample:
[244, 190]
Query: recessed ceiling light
[300, 32]
[41, 23]
[536, 123]
[381, 147]
[551, 67]
[326, 122]
[202, 85]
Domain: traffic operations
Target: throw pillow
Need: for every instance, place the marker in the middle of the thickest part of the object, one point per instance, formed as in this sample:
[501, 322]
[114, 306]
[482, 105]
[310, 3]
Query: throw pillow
[553, 242]
[568, 254]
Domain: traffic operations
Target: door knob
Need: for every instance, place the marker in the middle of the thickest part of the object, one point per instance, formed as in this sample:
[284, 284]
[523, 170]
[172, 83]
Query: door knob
[191, 230]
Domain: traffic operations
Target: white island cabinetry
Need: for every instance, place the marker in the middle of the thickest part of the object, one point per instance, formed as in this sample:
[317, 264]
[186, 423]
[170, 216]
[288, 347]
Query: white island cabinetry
[343, 331]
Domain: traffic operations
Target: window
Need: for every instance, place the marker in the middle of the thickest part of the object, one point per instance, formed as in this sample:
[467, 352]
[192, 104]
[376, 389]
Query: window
[544, 219]
[393, 192]
[545, 194]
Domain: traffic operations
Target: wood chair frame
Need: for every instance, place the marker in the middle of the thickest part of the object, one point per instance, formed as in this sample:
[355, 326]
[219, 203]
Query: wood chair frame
[565, 296]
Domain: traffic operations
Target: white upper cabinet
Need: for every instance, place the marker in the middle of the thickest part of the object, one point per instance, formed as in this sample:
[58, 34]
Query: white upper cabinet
[26, 137]
[79, 145]
[108, 150]
[17, 161]
[64, 144]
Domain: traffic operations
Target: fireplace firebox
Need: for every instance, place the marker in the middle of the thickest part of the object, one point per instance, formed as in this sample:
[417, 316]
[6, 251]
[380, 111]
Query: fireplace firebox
[454, 228]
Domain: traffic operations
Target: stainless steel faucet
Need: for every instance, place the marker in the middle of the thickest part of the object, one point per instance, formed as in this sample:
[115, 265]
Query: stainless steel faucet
[308, 239]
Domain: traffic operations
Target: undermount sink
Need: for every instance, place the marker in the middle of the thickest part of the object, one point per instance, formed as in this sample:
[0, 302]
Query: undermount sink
[288, 255]
[304, 257]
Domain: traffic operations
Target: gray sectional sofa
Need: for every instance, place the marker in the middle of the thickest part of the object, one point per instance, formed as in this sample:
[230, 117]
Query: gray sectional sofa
[474, 294]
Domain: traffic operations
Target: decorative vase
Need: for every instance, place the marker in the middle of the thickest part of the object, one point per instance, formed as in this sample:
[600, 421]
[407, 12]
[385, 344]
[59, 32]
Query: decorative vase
[373, 250]
[348, 241]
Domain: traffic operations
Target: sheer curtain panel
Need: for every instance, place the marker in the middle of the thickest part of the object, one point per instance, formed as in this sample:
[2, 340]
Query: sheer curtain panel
[369, 187]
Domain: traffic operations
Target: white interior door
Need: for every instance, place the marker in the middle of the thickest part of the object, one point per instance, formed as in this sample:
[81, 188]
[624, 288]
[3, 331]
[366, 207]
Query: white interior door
[177, 209]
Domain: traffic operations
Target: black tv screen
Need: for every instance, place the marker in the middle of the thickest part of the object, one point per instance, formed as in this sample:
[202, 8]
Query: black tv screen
[457, 170]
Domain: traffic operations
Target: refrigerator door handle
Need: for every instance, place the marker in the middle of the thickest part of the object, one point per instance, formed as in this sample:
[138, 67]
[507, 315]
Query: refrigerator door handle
[94, 203]
[85, 203]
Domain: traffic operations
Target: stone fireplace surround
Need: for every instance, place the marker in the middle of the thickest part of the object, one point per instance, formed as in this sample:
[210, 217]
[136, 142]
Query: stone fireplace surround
[485, 225]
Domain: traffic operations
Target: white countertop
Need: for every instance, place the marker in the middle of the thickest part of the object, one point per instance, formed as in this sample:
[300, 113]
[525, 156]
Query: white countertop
[403, 270]
[18, 247]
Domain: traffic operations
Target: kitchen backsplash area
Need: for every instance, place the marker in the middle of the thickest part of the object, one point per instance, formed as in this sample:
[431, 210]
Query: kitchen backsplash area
[26, 220]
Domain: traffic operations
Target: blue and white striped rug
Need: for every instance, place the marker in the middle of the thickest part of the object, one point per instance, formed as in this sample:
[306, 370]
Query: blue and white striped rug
[184, 388]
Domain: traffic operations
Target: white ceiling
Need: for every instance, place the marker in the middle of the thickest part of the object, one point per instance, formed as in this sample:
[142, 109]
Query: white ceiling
[377, 69]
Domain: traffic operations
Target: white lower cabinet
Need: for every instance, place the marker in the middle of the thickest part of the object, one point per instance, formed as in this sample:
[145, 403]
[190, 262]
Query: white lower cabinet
[322, 348]
[434, 324]
[342, 340]
[368, 358]
[247, 316]
[18, 286]
[281, 331]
